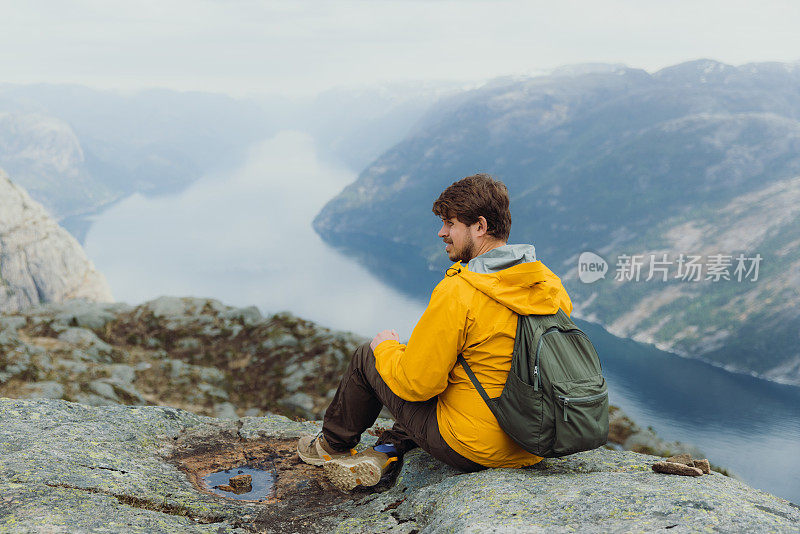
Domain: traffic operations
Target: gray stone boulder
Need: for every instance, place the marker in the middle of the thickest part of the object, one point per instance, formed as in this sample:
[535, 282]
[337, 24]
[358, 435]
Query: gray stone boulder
[76, 312]
[298, 401]
[11, 323]
[40, 261]
[179, 312]
[46, 389]
[249, 315]
[87, 341]
[67, 467]
[22, 361]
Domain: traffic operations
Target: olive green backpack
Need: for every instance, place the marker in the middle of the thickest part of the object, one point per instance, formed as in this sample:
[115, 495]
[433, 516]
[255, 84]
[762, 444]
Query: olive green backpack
[555, 401]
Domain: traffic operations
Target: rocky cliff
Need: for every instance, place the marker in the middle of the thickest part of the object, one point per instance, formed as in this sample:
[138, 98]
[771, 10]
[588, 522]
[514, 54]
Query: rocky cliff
[40, 261]
[192, 353]
[200, 355]
[67, 467]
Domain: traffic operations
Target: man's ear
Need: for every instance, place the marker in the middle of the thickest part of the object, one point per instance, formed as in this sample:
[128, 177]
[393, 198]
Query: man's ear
[482, 226]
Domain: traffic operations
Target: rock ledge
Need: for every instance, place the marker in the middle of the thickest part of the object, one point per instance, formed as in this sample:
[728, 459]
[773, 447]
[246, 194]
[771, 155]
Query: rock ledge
[68, 467]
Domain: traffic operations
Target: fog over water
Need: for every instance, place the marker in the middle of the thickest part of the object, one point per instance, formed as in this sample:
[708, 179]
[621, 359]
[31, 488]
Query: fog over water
[245, 238]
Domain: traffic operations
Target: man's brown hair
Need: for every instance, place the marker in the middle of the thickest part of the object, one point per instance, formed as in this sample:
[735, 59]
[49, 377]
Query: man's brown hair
[473, 196]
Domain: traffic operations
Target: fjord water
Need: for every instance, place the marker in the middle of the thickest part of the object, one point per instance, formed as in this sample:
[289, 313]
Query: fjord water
[745, 424]
[245, 238]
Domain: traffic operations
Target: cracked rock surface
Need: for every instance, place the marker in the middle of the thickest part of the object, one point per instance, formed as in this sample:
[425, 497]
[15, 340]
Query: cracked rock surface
[68, 467]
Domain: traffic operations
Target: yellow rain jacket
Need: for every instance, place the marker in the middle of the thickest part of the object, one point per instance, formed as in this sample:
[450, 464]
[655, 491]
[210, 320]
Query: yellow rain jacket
[474, 314]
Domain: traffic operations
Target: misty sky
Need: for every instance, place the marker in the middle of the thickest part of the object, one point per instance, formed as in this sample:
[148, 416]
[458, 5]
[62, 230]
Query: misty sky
[304, 46]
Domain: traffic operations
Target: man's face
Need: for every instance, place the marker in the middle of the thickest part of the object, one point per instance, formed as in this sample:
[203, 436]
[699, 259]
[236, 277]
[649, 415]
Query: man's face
[460, 245]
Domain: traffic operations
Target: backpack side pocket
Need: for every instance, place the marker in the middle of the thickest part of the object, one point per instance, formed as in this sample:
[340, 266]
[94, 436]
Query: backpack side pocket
[581, 421]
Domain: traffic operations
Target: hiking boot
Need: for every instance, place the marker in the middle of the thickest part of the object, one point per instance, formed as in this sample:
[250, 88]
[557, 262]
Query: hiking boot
[315, 450]
[364, 468]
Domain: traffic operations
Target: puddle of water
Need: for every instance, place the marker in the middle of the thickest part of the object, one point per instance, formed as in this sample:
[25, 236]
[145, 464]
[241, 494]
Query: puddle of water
[262, 481]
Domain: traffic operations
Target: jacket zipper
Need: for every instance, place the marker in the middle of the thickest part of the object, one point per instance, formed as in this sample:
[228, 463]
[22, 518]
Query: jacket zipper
[580, 400]
[571, 331]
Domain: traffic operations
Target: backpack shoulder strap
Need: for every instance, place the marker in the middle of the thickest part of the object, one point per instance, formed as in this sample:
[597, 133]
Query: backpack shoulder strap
[529, 330]
[474, 380]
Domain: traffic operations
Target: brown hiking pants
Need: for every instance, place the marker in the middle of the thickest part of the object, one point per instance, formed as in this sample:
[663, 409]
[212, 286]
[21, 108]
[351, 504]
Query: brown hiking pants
[358, 401]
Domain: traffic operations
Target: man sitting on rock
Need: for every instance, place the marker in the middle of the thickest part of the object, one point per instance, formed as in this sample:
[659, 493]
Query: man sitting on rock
[472, 311]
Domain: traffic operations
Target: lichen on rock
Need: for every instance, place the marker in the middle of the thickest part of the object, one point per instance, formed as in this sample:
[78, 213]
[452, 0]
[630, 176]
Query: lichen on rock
[60, 460]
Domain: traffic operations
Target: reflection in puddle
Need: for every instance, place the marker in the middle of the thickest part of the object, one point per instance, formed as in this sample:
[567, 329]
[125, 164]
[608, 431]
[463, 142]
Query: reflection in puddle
[261, 483]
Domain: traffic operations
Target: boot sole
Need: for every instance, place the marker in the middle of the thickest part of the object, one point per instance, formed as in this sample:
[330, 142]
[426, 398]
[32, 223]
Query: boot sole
[346, 475]
[312, 460]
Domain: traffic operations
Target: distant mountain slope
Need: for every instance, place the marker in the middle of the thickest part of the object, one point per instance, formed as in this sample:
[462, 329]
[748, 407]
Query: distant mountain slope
[40, 262]
[354, 125]
[76, 149]
[48, 157]
[700, 158]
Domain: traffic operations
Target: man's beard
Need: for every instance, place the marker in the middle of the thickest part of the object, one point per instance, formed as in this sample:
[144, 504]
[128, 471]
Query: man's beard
[464, 254]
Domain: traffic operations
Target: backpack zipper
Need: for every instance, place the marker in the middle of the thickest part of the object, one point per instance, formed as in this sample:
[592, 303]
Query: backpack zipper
[571, 331]
[580, 400]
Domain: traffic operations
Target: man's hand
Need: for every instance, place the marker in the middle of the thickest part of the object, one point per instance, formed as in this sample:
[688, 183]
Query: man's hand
[383, 336]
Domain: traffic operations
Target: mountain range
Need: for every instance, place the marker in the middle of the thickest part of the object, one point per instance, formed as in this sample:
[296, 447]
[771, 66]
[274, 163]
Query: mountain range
[700, 159]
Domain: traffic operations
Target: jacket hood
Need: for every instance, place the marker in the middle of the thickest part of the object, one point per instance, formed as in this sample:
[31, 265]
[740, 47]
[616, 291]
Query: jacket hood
[511, 276]
[502, 258]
